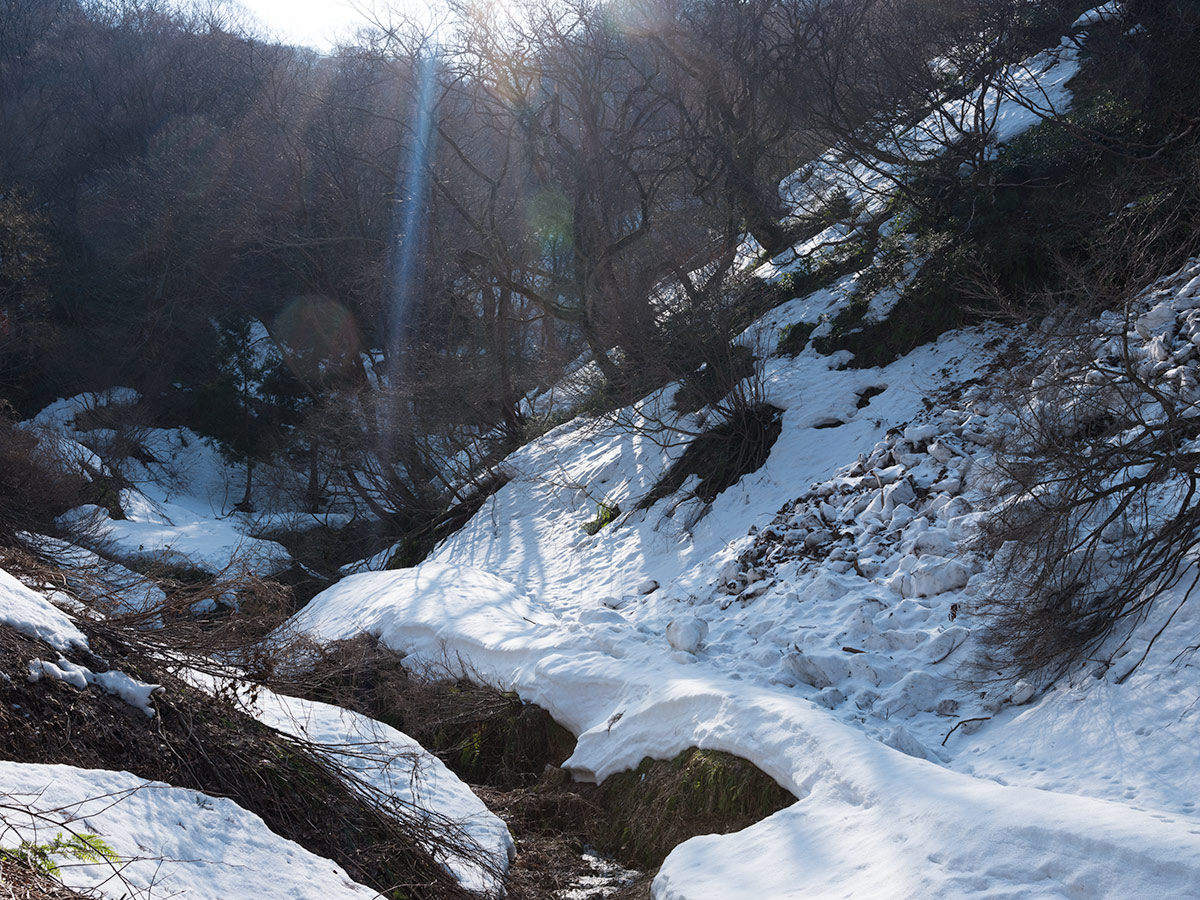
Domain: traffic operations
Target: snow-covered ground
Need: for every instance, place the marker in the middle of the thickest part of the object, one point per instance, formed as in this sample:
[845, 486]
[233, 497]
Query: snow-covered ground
[179, 511]
[167, 841]
[464, 835]
[819, 616]
[816, 618]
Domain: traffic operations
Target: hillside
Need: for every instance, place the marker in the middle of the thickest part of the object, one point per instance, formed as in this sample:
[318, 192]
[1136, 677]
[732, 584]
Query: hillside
[854, 559]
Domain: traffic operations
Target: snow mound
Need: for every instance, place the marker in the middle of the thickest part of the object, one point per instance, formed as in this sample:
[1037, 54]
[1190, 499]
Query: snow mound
[30, 613]
[395, 765]
[169, 842]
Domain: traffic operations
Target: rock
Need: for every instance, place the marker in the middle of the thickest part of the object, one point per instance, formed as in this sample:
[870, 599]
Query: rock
[901, 516]
[900, 738]
[941, 452]
[818, 537]
[934, 542]
[1022, 693]
[890, 474]
[1158, 350]
[934, 575]
[947, 707]
[963, 527]
[919, 434]
[949, 485]
[806, 669]
[1156, 321]
[897, 494]
[687, 633]
[754, 591]
[649, 586]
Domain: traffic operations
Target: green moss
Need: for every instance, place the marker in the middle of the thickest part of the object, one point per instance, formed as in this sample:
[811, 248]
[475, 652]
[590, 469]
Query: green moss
[650, 810]
[605, 513]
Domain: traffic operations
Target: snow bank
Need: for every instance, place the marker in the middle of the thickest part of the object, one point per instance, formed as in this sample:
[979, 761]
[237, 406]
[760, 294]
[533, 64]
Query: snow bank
[30, 613]
[169, 842]
[392, 763]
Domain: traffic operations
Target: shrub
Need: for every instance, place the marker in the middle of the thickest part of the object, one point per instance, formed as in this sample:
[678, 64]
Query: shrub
[794, 338]
[38, 483]
[1100, 466]
[718, 376]
[721, 456]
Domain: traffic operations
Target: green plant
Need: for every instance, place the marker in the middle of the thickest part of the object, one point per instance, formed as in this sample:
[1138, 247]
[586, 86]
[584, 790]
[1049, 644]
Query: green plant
[605, 513]
[794, 338]
[81, 846]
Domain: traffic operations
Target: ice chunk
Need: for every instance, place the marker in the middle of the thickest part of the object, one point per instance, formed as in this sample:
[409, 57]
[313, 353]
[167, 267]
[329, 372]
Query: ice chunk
[687, 633]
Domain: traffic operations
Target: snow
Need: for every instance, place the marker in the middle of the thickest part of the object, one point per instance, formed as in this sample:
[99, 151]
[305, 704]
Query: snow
[393, 764]
[384, 759]
[168, 841]
[136, 693]
[816, 618]
[125, 591]
[180, 533]
[179, 511]
[839, 617]
[633, 699]
[1023, 95]
[30, 613]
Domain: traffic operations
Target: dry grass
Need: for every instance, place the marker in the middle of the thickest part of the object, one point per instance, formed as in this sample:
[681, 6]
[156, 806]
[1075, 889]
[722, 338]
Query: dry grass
[199, 742]
[19, 882]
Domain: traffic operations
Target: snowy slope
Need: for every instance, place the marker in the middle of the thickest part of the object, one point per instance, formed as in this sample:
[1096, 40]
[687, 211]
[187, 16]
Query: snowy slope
[138, 819]
[818, 617]
[179, 510]
[399, 769]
